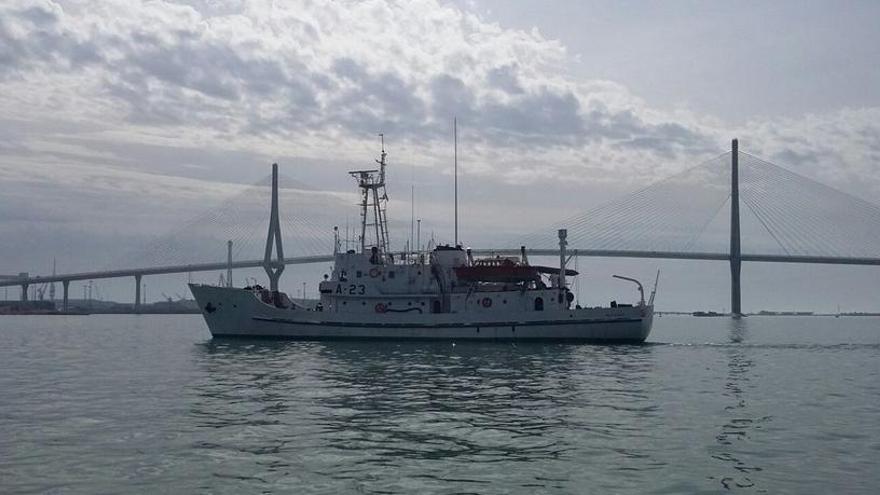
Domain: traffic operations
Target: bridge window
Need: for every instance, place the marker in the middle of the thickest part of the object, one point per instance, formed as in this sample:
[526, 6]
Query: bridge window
[539, 304]
[391, 274]
[436, 307]
[359, 274]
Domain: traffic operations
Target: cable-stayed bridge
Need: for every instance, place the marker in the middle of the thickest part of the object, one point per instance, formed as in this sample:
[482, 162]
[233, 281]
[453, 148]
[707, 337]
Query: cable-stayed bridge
[735, 207]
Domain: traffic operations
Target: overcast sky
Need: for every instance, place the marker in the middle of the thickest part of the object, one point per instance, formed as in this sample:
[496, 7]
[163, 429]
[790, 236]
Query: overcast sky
[122, 119]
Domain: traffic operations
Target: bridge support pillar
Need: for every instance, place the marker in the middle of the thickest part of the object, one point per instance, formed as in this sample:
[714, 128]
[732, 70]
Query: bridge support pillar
[229, 264]
[137, 293]
[65, 284]
[274, 268]
[735, 251]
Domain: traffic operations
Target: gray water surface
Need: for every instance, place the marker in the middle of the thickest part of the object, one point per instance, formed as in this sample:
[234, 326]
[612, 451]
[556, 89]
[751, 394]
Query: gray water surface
[146, 404]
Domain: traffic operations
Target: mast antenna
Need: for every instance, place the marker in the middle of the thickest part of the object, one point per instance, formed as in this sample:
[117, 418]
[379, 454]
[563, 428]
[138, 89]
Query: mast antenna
[455, 171]
[412, 216]
[381, 162]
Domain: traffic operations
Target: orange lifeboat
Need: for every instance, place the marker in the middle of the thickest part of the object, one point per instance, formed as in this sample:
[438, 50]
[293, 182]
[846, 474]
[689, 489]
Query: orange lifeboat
[504, 270]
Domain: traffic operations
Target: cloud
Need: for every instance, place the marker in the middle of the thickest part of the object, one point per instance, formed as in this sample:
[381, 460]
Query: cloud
[840, 148]
[345, 68]
[212, 91]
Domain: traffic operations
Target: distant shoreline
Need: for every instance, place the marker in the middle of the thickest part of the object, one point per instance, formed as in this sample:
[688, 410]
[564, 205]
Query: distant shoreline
[704, 314]
[102, 312]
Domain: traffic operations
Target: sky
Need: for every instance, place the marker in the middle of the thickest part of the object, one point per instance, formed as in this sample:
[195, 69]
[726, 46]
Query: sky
[122, 120]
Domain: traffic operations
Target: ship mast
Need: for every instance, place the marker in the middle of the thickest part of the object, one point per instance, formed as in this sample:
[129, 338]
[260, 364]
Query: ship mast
[455, 172]
[374, 203]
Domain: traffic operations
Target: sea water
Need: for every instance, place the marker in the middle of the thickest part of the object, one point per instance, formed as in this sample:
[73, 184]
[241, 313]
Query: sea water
[147, 404]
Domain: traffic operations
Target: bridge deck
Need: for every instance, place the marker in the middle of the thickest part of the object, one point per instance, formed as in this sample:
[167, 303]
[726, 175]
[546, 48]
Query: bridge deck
[204, 267]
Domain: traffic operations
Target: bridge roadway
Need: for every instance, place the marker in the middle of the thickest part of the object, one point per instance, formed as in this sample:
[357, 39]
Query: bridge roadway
[137, 273]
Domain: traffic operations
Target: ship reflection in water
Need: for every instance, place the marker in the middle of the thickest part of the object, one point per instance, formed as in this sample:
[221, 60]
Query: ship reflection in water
[453, 413]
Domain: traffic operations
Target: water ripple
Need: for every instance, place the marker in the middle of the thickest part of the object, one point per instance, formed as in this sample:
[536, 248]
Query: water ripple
[103, 405]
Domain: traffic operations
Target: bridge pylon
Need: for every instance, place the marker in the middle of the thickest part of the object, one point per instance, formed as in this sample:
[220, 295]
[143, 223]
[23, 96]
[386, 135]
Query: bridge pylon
[735, 251]
[229, 264]
[137, 293]
[274, 268]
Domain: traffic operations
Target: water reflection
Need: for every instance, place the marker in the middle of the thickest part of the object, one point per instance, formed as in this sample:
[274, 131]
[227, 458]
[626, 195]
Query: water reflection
[740, 423]
[367, 406]
[250, 380]
[481, 400]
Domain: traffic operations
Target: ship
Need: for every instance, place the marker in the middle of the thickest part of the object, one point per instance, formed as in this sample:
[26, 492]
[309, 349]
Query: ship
[442, 292]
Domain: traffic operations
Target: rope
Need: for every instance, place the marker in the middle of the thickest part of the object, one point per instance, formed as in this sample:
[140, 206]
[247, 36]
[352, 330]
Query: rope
[782, 209]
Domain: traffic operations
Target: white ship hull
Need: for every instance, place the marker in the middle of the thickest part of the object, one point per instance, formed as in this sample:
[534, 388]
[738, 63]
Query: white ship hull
[231, 312]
